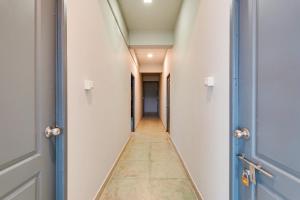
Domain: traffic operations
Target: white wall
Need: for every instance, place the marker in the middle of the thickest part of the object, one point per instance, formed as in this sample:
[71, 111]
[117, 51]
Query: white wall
[151, 38]
[147, 68]
[167, 67]
[98, 121]
[200, 116]
[138, 89]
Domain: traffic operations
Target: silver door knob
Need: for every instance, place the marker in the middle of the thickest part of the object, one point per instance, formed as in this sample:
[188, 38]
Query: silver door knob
[49, 132]
[243, 133]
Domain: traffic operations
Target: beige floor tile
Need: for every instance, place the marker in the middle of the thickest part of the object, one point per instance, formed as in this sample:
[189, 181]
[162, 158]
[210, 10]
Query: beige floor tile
[162, 155]
[127, 189]
[146, 138]
[167, 169]
[139, 143]
[134, 153]
[149, 168]
[172, 189]
[138, 140]
[163, 151]
[132, 169]
[162, 146]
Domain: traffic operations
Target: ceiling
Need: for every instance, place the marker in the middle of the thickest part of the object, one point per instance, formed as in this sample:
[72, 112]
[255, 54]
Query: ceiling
[157, 59]
[159, 15]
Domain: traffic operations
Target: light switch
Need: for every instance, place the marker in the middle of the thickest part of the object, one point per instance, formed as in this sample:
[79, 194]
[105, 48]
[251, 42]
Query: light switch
[209, 81]
[88, 85]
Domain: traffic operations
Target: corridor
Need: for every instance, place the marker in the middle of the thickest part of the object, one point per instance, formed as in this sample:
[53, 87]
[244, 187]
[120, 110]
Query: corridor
[149, 100]
[149, 168]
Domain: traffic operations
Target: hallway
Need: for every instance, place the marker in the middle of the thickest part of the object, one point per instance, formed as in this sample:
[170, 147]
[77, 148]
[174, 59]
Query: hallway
[149, 168]
[149, 100]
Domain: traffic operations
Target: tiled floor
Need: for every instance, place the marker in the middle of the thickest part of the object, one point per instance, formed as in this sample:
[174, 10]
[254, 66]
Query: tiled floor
[149, 168]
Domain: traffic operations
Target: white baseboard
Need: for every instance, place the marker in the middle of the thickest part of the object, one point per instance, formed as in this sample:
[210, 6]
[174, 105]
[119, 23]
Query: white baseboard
[198, 193]
[108, 176]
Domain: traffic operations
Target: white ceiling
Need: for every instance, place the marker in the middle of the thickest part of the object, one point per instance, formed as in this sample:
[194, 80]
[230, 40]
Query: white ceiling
[157, 59]
[159, 15]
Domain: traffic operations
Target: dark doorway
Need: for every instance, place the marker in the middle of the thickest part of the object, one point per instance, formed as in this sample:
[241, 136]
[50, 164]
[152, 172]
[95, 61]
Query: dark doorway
[151, 98]
[132, 103]
[168, 103]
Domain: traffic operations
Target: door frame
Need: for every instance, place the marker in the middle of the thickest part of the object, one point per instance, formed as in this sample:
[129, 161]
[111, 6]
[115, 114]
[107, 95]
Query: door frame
[132, 102]
[157, 82]
[168, 100]
[61, 102]
[234, 68]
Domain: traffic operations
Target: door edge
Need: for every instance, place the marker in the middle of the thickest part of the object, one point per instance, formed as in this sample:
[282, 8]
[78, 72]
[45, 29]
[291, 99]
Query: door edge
[234, 58]
[61, 102]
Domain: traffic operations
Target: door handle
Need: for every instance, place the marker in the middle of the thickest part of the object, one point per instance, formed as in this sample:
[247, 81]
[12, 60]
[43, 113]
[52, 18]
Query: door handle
[52, 132]
[243, 133]
[251, 164]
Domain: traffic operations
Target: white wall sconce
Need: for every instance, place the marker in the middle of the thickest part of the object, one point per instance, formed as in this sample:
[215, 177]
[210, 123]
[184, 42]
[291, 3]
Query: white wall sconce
[88, 85]
[209, 81]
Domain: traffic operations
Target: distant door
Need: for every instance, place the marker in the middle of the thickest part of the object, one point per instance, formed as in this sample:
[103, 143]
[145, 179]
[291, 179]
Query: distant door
[168, 103]
[150, 96]
[132, 103]
[268, 100]
[27, 102]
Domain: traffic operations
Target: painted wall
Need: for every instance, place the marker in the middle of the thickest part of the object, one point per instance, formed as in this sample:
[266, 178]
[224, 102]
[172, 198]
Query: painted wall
[200, 116]
[99, 120]
[151, 38]
[138, 89]
[151, 68]
[167, 67]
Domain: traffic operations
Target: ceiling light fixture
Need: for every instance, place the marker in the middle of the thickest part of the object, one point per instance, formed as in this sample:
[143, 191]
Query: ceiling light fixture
[150, 55]
[147, 1]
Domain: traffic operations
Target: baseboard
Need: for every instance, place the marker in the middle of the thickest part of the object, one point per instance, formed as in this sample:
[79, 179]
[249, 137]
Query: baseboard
[137, 124]
[107, 178]
[165, 127]
[198, 193]
[100, 191]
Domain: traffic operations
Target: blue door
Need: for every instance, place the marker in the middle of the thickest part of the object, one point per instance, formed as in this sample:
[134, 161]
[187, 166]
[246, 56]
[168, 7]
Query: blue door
[27, 99]
[267, 111]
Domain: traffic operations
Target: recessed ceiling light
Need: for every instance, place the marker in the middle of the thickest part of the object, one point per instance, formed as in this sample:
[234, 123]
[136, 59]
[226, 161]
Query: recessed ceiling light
[147, 1]
[150, 55]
